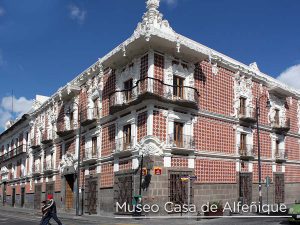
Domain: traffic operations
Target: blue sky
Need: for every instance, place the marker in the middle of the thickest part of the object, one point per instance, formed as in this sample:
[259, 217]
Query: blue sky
[46, 43]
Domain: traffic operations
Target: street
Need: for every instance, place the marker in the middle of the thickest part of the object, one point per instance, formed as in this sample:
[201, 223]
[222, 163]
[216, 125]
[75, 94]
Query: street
[12, 219]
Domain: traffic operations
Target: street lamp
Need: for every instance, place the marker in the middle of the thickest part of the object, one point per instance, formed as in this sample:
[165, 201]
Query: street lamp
[78, 157]
[258, 144]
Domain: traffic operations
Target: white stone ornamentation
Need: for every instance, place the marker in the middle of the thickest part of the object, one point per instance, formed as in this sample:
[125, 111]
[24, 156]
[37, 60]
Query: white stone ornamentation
[277, 104]
[151, 145]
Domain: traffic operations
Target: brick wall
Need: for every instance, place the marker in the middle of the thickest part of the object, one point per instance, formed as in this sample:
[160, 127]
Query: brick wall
[159, 125]
[70, 146]
[292, 148]
[125, 165]
[292, 173]
[208, 135]
[179, 162]
[159, 66]
[83, 104]
[265, 144]
[144, 67]
[257, 92]
[109, 86]
[215, 171]
[108, 140]
[60, 122]
[216, 91]
[142, 126]
[266, 170]
[292, 114]
[58, 154]
[107, 176]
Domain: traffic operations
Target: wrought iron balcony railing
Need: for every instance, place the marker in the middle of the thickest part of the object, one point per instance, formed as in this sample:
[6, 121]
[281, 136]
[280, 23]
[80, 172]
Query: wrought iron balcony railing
[247, 115]
[90, 115]
[14, 152]
[90, 155]
[49, 166]
[124, 144]
[246, 151]
[48, 136]
[181, 141]
[36, 168]
[152, 88]
[282, 126]
[281, 155]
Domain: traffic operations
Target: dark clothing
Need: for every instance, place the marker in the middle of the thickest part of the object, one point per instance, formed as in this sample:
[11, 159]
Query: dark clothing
[46, 219]
[49, 211]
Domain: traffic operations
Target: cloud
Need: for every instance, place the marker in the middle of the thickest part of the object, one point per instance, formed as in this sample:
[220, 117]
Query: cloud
[76, 13]
[2, 11]
[291, 76]
[170, 2]
[21, 106]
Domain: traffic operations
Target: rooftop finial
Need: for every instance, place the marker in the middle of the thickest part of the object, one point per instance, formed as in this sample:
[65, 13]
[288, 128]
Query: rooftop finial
[152, 4]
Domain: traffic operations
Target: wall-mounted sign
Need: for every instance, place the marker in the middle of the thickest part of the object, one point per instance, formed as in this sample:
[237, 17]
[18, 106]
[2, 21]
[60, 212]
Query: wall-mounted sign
[157, 170]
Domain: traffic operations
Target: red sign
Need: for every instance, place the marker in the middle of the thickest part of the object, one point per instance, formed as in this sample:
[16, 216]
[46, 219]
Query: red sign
[144, 172]
[157, 171]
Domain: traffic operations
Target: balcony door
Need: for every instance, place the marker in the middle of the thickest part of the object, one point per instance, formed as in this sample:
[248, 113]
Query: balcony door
[277, 144]
[126, 136]
[94, 146]
[128, 89]
[71, 120]
[178, 134]
[178, 87]
[243, 144]
[276, 118]
[242, 106]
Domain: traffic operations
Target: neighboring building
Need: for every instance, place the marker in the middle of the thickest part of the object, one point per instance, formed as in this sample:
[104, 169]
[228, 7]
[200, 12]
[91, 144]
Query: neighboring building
[188, 109]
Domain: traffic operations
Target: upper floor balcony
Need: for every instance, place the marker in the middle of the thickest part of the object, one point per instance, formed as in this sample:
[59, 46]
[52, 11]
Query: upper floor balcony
[89, 116]
[124, 145]
[247, 115]
[246, 151]
[66, 129]
[48, 137]
[281, 126]
[151, 88]
[280, 155]
[49, 166]
[180, 142]
[36, 169]
[35, 142]
[90, 155]
[14, 153]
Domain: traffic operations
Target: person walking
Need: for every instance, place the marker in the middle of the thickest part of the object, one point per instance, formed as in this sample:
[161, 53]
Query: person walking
[49, 211]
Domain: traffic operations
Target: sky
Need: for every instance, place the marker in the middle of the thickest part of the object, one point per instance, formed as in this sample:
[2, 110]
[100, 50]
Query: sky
[46, 43]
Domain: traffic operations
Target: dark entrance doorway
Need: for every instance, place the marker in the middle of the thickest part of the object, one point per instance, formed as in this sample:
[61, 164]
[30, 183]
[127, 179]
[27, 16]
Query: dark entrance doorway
[246, 188]
[279, 187]
[37, 196]
[4, 194]
[22, 196]
[124, 188]
[49, 189]
[69, 192]
[91, 195]
[13, 197]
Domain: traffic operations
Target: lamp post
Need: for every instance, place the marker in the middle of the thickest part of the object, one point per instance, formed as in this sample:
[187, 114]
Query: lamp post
[78, 159]
[258, 146]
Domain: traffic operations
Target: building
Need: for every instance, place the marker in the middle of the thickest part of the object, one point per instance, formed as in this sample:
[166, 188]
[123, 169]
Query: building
[186, 108]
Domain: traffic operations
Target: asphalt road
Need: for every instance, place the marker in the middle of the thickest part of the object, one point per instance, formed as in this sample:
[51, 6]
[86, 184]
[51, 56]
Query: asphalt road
[20, 219]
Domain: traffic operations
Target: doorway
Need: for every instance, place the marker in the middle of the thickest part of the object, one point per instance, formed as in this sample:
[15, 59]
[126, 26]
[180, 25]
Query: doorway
[246, 188]
[279, 188]
[22, 196]
[13, 197]
[37, 196]
[69, 191]
[4, 194]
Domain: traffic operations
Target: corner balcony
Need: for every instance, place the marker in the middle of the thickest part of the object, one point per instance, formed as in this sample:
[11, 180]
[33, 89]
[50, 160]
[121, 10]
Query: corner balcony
[247, 116]
[246, 152]
[281, 127]
[35, 143]
[90, 155]
[47, 137]
[281, 156]
[90, 116]
[151, 88]
[65, 130]
[124, 146]
[36, 169]
[181, 143]
[49, 167]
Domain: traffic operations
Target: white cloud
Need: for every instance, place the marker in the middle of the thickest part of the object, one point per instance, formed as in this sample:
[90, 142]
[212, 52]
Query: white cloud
[291, 76]
[2, 11]
[170, 2]
[77, 14]
[20, 106]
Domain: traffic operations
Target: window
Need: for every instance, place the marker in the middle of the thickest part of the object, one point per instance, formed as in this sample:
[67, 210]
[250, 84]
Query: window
[277, 147]
[71, 120]
[96, 110]
[242, 106]
[178, 86]
[94, 146]
[276, 117]
[127, 136]
[128, 89]
[178, 134]
[243, 142]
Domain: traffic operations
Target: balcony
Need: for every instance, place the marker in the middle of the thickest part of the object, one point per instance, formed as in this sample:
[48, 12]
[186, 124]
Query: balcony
[246, 152]
[151, 88]
[49, 166]
[14, 153]
[124, 145]
[35, 143]
[90, 155]
[36, 169]
[66, 130]
[89, 116]
[281, 127]
[47, 137]
[181, 143]
[280, 156]
[247, 115]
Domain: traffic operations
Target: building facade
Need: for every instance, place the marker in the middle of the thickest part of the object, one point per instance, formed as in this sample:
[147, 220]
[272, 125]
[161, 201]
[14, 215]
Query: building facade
[186, 108]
